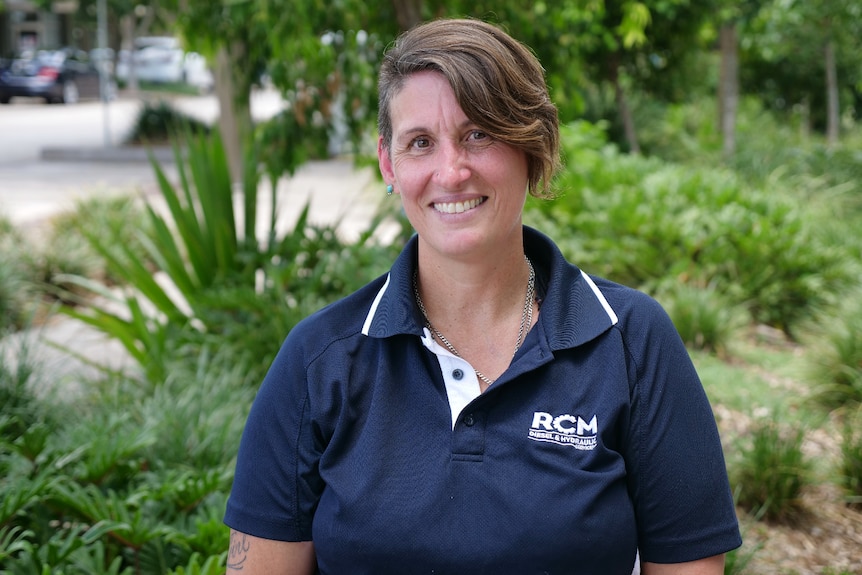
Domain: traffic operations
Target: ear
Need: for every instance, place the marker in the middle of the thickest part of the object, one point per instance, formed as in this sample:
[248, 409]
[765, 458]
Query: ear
[384, 159]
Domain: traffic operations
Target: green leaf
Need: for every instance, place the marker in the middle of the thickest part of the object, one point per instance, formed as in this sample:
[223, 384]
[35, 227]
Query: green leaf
[13, 540]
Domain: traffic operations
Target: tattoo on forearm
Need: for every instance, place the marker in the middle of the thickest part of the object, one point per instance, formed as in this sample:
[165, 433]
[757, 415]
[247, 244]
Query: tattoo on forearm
[238, 552]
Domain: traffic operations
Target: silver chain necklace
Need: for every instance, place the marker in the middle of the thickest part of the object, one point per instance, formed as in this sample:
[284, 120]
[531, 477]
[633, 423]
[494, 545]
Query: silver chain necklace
[526, 317]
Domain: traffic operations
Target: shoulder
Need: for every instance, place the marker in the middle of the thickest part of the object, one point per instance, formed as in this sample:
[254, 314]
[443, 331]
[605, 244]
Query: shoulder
[644, 324]
[632, 306]
[580, 307]
[338, 321]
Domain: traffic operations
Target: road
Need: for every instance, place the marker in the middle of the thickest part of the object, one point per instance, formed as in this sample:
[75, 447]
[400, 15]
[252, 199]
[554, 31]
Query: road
[28, 125]
[32, 189]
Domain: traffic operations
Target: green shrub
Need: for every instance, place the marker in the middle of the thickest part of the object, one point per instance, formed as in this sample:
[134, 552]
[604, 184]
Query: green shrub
[60, 256]
[851, 457]
[198, 248]
[770, 470]
[22, 406]
[33, 272]
[805, 161]
[14, 294]
[136, 483]
[207, 279]
[160, 123]
[16, 289]
[705, 318]
[836, 354]
[120, 219]
[288, 140]
[641, 221]
[685, 132]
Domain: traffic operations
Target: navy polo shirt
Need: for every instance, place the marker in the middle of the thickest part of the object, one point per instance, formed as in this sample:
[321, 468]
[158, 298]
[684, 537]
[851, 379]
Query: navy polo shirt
[597, 441]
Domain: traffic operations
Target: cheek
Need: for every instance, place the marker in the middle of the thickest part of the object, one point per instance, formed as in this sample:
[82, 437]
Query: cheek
[411, 175]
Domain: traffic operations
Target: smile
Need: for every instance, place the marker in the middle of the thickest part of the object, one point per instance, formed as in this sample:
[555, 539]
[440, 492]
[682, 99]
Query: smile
[458, 207]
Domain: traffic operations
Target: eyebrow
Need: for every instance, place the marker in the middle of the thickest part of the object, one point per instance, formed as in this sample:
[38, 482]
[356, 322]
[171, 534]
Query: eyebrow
[423, 130]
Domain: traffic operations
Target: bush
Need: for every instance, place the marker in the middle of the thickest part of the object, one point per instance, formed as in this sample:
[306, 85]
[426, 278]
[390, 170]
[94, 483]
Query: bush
[15, 294]
[836, 354]
[685, 132]
[642, 222]
[704, 317]
[61, 255]
[160, 123]
[135, 483]
[22, 407]
[851, 457]
[16, 289]
[34, 273]
[207, 278]
[120, 219]
[770, 471]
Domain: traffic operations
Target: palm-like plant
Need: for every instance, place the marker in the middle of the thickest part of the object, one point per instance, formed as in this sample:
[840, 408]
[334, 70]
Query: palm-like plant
[208, 266]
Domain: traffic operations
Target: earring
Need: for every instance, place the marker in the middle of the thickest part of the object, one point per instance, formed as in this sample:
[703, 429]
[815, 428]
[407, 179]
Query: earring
[389, 189]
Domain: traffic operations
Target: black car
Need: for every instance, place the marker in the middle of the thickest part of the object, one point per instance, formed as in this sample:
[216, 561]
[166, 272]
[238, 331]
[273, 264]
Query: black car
[61, 76]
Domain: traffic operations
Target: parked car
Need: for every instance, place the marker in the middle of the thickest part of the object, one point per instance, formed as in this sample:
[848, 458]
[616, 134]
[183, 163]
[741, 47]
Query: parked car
[59, 76]
[161, 60]
[103, 58]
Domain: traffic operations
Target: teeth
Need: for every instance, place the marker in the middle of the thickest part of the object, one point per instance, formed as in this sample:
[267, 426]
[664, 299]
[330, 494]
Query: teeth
[458, 207]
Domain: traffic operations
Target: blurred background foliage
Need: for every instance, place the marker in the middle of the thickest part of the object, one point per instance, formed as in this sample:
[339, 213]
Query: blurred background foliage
[605, 60]
[713, 159]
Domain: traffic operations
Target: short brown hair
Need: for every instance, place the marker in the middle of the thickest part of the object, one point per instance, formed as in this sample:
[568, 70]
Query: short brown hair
[497, 81]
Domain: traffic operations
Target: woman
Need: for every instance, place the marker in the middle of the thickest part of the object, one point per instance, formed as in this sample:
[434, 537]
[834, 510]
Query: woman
[485, 407]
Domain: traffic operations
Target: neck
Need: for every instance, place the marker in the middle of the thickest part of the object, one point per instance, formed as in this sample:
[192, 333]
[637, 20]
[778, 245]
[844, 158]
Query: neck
[481, 290]
[481, 333]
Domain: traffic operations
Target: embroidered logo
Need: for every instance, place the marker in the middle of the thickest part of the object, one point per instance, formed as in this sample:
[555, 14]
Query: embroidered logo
[570, 430]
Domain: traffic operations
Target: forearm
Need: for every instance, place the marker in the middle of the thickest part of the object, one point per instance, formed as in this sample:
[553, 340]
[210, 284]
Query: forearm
[253, 555]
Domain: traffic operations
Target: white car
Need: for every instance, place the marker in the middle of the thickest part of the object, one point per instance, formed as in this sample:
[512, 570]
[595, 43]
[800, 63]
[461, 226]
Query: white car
[161, 60]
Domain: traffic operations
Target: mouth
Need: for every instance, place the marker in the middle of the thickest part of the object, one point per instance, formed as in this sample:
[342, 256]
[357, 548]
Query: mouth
[458, 207]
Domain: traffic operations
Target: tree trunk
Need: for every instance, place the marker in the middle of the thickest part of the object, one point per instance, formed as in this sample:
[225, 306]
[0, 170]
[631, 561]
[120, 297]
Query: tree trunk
[832, 111]
[408, 13]
[728, 89]
[234, 100]
[127, 42]
[623, 109]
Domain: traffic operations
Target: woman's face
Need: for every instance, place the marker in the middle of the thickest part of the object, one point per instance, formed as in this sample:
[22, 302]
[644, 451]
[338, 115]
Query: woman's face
[462, 190]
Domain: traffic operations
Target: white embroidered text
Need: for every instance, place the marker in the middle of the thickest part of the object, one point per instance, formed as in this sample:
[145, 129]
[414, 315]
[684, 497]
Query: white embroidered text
[566, 429]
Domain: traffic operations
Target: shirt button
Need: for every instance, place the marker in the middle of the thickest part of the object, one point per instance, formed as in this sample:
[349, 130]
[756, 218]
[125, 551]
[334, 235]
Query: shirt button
[469, 421]
[457, 374]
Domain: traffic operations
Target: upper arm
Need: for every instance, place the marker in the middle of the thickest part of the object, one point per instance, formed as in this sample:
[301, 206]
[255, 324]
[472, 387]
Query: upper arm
[708, 566]
[675, 465]
[253, 555]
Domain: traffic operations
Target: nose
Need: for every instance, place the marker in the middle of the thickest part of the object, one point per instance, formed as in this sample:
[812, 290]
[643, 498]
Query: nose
[453, 169]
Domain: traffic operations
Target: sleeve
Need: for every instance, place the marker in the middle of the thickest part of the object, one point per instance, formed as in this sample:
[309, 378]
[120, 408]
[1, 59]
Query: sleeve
[277, 485]
[678, 478]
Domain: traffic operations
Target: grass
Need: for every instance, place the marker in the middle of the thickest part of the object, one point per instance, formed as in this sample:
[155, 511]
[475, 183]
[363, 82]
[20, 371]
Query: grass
[754, 379]
[769, 469]
[177, 88]
[851, 458]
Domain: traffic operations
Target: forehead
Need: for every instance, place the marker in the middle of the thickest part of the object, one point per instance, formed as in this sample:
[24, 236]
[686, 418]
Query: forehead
[425, 99]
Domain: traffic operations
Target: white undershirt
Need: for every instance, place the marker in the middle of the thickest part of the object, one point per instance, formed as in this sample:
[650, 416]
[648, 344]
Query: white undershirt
[459, 391]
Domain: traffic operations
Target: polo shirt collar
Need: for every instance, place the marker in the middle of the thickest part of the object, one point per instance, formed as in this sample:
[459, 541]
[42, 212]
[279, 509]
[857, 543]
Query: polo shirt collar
[394, 309]
[574, 310]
